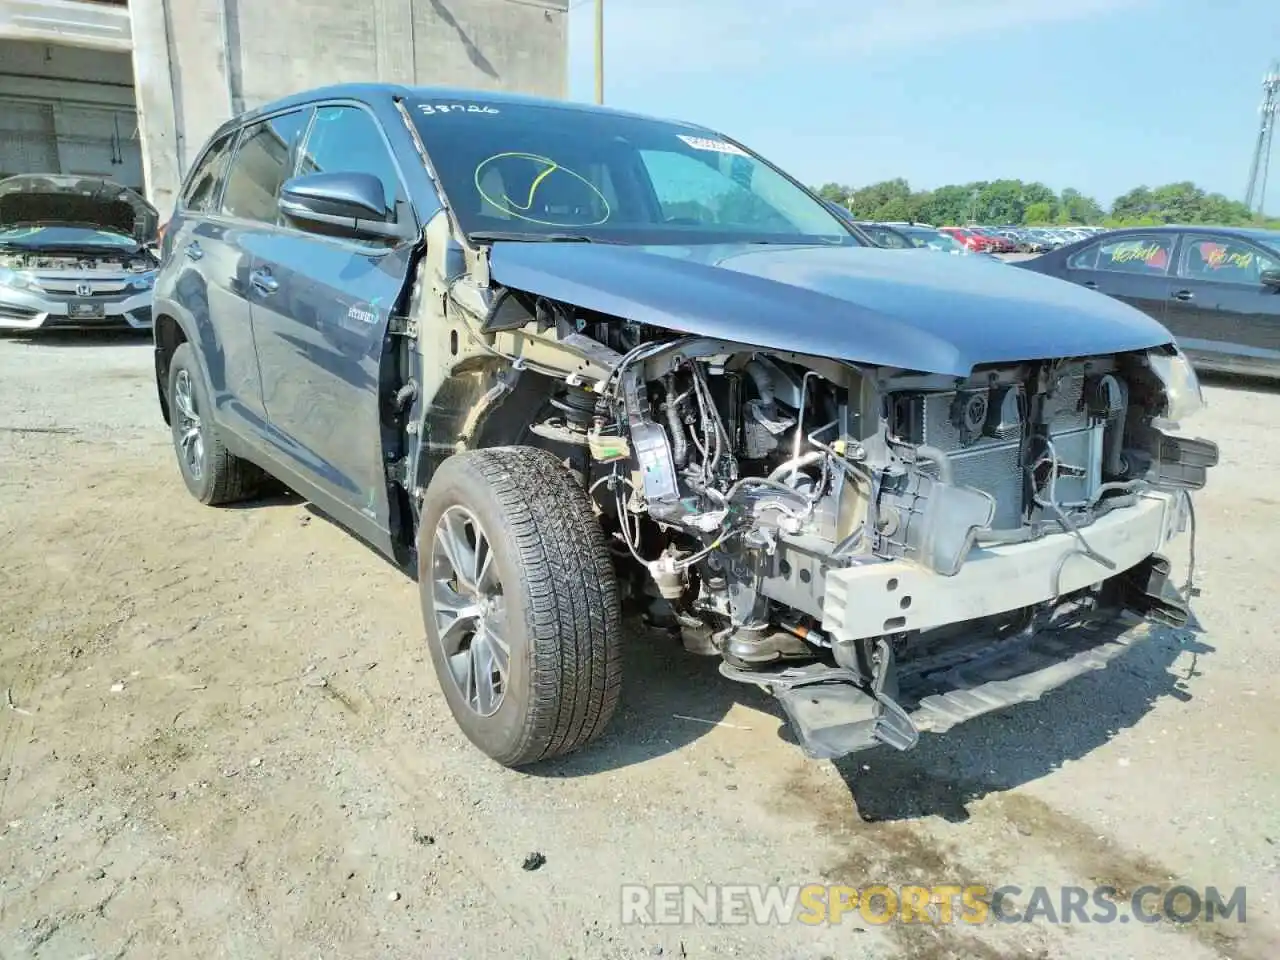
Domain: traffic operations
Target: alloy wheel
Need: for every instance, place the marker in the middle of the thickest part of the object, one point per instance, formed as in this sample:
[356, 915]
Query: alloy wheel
[469, 610]
[190, 430]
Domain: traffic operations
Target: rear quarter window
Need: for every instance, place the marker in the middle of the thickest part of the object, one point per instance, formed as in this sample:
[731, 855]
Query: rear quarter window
[205, 181]
[1132, 254]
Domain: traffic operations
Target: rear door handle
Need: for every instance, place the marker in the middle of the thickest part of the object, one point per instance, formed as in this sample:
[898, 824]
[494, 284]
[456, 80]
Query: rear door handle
[1091, 284]
[264, 282]
[1184, 295]
[193, 251]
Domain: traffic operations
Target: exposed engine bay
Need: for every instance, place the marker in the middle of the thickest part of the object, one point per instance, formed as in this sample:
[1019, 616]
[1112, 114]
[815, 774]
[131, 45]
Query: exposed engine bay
[114, 262]
[827, 528]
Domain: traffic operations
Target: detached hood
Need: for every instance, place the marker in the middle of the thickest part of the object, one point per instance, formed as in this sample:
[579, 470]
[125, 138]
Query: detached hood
[900, 308]
[56, 199]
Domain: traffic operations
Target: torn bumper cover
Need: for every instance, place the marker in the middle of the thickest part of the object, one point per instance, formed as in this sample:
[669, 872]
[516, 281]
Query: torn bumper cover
[833, 712]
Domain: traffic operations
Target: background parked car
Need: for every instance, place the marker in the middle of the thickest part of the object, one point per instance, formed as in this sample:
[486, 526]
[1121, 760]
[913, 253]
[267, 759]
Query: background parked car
[886, 236]
[854, 225]
[970, 239]
[74, 252]
[997, 243]
[1216, 288]
[934, 239]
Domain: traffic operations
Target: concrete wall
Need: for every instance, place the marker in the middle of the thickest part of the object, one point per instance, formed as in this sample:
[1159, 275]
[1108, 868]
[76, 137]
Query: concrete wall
[68, 109]
[198, 62]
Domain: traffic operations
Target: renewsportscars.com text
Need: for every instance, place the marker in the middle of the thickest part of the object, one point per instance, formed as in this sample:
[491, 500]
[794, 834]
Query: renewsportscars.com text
[814, 904]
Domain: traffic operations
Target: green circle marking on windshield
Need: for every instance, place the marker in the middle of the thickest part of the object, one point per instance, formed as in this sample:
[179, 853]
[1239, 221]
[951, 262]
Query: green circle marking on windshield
[540, 171]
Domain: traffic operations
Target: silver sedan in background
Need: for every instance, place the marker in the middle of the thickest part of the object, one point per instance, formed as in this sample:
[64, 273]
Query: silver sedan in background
[75, 251]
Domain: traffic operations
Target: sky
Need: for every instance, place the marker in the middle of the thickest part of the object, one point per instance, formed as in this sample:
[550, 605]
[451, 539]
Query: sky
[1100, 95]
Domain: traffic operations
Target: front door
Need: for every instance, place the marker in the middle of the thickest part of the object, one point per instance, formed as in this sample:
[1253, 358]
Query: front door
[321, 305]
[1219, 309]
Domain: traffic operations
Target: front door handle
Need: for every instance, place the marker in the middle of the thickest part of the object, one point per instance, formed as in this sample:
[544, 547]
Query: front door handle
[264, 282]
[1184, 295]
[193, 251]
[1090, 284]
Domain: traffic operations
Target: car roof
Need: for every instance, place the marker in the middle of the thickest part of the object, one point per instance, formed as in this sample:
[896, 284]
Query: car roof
[1250, 233]
[385, 92]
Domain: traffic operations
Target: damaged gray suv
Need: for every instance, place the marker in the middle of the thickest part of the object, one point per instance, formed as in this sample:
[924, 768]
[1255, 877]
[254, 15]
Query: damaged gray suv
[565, 363]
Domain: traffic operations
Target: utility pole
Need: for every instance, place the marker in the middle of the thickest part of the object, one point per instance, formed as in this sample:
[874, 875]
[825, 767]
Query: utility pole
[1256, 195]
[599, 51]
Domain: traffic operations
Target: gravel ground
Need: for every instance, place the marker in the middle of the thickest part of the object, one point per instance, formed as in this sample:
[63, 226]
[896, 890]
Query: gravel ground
[222, 738]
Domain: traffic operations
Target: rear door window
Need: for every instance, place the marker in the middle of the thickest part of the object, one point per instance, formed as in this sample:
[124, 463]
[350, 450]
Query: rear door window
[1143, 254]
[205, 182]
[1224, 260]
[263, 161]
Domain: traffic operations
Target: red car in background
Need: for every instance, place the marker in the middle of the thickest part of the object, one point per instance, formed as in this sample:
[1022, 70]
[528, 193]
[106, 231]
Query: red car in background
[970, 239]
[999, 243]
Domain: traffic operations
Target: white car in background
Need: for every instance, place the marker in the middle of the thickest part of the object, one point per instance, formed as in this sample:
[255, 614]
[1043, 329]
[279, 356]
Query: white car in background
[75, 252]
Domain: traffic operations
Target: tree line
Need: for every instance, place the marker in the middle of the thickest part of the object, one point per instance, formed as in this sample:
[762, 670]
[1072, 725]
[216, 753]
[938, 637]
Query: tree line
[1034, 204]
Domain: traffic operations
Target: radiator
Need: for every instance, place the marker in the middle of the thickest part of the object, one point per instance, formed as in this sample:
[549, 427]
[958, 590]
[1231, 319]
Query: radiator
[993, 463]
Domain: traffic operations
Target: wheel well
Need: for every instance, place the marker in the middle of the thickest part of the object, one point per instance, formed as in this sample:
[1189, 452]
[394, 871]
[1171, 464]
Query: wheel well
[466, 406]
[168, 337]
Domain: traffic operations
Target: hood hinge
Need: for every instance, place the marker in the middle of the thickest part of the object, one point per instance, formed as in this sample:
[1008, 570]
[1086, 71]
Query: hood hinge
[402, 327]
[478, 267]
[398, 472]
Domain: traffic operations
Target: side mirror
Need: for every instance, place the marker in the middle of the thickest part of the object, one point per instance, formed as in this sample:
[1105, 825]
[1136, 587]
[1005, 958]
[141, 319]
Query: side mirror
[1271, 278]
[351, 202]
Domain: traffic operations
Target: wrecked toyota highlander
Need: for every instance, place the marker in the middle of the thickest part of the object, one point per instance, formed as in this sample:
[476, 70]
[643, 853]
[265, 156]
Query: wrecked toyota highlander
[568, 364]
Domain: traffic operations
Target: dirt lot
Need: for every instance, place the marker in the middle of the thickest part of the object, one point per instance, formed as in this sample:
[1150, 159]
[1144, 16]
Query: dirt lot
[222, 738]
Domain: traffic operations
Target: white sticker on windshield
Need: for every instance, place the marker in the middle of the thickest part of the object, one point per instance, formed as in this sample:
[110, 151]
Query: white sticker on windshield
[716, 146]
[435, 109]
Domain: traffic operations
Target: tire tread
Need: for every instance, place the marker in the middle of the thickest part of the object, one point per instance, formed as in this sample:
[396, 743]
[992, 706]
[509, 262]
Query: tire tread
[574, 624]
[233, 479]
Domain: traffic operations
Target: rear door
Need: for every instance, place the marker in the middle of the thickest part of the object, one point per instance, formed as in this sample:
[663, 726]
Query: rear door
[221, 246]
[1133, 267]
[1219, 309]
[321, 305]
[209, 289]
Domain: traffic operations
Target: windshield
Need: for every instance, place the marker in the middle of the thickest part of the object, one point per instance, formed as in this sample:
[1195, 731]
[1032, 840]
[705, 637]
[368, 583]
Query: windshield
[36, 236]
[535, 171]
[1271, 242]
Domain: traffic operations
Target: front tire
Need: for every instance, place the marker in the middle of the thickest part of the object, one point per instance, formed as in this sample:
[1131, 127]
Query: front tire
[211, 472]
[520, 602]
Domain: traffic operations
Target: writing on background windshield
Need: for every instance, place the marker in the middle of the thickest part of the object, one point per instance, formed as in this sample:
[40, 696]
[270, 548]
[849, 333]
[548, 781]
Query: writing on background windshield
[1223, 260]
[537, 169]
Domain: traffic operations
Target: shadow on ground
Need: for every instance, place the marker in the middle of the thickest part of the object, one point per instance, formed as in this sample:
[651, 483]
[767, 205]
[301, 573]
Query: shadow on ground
[1239, 383]
[1011, 747]
[671, 699]
[77, 338]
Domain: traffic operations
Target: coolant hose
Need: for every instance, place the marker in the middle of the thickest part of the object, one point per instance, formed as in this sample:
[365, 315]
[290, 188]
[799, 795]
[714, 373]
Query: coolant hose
[925, 452]
[679, 442]
[1115, 435]
[759, 375]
